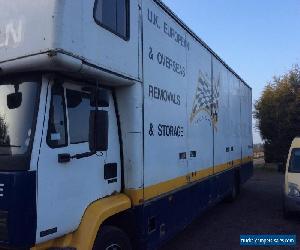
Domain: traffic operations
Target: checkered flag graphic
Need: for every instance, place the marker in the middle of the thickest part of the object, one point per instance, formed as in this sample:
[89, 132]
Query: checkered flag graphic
[203, 97]
[206, 98]
[215, 101]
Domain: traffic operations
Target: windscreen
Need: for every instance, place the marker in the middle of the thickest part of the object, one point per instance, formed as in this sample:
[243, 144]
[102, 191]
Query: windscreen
[17, 110]
[295, 161]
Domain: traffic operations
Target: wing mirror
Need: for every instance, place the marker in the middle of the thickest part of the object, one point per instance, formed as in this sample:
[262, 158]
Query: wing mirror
[74, 98]
[100, 98]
[98, 131]
[14, 100]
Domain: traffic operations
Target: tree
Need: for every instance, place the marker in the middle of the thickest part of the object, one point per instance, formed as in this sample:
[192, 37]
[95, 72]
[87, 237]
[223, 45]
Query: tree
[277, 113]
[4, 137]
[3, 131]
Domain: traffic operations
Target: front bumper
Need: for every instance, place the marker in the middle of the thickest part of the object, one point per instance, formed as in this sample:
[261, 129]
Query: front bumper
[17, 209]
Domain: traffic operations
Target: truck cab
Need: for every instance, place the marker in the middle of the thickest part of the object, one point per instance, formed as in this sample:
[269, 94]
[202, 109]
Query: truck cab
[48, 142]
[63, 65]
[292, 179]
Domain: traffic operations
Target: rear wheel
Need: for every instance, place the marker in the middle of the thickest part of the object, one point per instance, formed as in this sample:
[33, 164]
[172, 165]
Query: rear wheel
[234, 192]
[111, 238]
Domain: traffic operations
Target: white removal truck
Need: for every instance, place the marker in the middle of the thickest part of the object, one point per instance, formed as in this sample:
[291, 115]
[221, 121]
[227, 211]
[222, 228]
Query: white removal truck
[118, 125]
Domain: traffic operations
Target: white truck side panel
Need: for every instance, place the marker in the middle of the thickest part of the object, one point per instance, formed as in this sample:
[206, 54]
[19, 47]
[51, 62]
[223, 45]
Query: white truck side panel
[130, 107]
[165, 86]
[199, 91]
[209, 110]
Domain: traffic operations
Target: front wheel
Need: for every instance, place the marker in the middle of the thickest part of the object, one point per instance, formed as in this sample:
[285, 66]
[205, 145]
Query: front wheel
[111, 238]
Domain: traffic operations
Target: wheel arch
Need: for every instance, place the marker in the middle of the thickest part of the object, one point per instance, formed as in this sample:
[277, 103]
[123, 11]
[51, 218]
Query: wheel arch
[95, 215]
[124, 220]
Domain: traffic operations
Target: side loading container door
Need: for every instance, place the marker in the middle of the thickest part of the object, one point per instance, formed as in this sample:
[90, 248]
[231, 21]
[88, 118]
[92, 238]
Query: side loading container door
[234, 141]
[246, 132]
[246, 113]
[222, 135]
[201, 121]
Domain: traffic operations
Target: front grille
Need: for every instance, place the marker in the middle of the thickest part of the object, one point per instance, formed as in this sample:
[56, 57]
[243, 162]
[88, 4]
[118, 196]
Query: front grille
[3, 225]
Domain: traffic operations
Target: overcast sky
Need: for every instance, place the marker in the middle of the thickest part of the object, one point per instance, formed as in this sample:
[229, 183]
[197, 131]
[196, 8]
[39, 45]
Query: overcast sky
[257, 38]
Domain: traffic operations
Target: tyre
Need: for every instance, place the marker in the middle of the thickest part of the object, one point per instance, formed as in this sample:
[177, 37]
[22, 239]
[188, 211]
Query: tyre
[233, 194]
[111, 238]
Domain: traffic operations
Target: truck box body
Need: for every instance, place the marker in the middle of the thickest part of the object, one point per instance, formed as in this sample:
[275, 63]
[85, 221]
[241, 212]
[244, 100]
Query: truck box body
[180, 123]
[33, 29]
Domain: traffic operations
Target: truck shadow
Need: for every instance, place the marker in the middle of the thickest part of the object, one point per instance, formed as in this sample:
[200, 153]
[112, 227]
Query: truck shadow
[258, 210]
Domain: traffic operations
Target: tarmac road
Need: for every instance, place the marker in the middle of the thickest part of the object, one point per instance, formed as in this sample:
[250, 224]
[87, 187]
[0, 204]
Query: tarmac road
[258, 210]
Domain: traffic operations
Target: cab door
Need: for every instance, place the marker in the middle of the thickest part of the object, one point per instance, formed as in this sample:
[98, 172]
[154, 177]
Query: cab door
[66, 189]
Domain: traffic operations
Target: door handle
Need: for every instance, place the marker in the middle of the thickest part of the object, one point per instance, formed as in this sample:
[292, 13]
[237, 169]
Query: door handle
[64, 158]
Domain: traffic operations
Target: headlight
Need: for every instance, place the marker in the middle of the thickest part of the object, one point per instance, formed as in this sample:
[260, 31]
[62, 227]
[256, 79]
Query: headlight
[293, 190]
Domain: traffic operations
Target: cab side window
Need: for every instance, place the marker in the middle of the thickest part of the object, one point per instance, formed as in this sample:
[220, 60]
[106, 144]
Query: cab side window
[57, 132]
[78, 104]
[113, 15]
